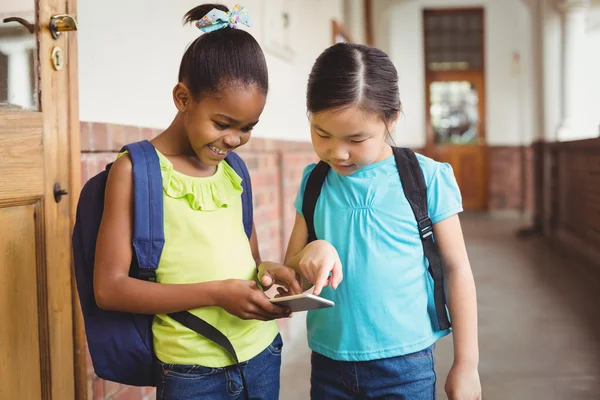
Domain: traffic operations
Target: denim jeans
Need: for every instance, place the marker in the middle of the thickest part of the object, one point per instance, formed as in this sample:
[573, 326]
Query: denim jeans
[409, 377]
[191, 382]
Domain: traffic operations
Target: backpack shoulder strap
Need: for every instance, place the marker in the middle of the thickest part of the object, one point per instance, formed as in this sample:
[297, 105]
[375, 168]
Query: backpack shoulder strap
[314, 184]
[415, 191]
[239, 166]
[148, 229]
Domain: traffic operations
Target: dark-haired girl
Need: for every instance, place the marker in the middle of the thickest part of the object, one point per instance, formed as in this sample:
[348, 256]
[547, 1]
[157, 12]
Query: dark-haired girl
[208, 265]
[377, 342]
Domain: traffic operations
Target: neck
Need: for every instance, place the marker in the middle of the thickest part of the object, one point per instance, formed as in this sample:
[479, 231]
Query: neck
[173, 140]
[386, 151]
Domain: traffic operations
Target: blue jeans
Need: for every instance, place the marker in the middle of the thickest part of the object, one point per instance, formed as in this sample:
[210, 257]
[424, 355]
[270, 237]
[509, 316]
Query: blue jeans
[190, 382]
[409, 377]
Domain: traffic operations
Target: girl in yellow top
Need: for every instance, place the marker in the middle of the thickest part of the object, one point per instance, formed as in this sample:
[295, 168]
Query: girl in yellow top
[208, 265]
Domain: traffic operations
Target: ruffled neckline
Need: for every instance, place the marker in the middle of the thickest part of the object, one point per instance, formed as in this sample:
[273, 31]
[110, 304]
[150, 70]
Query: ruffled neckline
[202, 193]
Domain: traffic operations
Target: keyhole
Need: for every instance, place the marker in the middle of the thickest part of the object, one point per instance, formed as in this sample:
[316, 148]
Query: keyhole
[57, 58]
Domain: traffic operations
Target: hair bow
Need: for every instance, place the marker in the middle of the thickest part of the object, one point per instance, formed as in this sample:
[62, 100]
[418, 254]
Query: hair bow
[217, 19]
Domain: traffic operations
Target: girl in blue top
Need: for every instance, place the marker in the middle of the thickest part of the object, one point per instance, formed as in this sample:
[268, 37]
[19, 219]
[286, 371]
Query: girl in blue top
[377, 342]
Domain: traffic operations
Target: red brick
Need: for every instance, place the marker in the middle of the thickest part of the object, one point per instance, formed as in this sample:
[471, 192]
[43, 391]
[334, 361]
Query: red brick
[88, 166]
[504, 177]
[111, 388]
[147, 133]
[90, 388]
[98, 389]
[85, 136]
[133, 134]
[84, 173]
[131, 393]
[100, 140]
[118, 136]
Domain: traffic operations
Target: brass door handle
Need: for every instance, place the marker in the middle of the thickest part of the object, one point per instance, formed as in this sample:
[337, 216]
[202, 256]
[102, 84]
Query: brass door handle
[30, 27]
[62, 23]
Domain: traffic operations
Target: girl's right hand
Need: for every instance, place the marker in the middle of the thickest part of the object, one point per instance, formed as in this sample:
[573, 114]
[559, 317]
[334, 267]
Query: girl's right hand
[246, 300]
[319, 258]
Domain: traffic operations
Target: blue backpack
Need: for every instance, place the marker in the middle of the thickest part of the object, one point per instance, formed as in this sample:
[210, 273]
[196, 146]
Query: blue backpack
[120, 344]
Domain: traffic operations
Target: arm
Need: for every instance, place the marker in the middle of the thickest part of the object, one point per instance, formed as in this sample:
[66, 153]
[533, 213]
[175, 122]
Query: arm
[270, 273]
[314, 261]
[463, 382]
[254, 246]
[297, 243]
[115, 290]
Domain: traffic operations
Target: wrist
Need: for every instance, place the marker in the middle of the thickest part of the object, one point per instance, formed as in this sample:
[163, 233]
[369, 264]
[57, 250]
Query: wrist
[213, 293]
[466, 362]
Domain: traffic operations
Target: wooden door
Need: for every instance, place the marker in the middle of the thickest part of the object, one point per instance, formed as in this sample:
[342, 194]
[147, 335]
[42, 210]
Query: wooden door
[455, 98]
[39, 148]
[458, 137]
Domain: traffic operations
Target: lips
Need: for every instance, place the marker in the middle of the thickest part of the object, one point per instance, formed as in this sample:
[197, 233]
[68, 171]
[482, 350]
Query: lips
[343, 166]
[220, 153]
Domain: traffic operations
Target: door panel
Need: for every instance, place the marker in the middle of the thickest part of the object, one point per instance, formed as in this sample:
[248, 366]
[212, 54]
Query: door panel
[38, 149]
[20, 354]
[456, 131]
[469, 165]
[21, 155]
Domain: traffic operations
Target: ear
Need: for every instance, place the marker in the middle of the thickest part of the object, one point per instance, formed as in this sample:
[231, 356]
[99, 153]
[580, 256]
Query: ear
[182, 96]
[395, 121]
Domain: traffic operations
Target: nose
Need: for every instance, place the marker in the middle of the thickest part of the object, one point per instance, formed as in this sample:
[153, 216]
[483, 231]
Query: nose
[232, 140]
[339, 152]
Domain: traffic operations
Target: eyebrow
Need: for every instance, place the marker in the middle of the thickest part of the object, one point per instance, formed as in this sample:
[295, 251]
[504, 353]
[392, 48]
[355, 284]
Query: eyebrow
[354, 135]
[234, 121]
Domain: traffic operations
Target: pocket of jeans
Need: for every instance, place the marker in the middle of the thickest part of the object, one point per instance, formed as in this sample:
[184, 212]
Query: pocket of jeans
[425, 353]
[276, 346]
[187, 371]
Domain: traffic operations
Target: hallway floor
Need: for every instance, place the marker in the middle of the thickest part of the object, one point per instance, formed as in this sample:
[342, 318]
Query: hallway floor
[539, 321]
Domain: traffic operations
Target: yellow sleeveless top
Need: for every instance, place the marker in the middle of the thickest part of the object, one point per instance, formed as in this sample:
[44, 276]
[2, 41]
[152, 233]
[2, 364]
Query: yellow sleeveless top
[205, 241]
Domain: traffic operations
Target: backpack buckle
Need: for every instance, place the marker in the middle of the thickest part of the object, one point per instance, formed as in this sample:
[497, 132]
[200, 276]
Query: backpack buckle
[425, 228]
[147, 275]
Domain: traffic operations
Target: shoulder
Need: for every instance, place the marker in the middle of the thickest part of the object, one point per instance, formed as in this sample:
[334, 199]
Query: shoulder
[435, 170]
[305, 175]
[300, 196]
[443, 194]
[122, 163]
[308, 169]
[120, 175]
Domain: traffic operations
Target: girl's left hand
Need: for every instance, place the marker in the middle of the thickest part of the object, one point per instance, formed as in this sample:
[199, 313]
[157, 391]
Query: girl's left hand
[271, 273]
[463, 383]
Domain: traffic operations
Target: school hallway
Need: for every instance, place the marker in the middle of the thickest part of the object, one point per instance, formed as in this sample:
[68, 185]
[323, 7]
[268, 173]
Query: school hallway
[539, 320]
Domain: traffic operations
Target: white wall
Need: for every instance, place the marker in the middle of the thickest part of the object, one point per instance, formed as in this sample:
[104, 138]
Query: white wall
[127, 70]
[509, 95]
[552, 61]
[591, 67]
[355, 20]
[17, 8]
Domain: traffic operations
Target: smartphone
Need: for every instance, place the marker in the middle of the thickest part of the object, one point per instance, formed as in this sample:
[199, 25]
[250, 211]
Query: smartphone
[303, 302]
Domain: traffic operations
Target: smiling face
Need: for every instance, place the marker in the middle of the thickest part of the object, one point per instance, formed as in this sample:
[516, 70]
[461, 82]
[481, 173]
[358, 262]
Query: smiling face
[349, 139]
[219, 123]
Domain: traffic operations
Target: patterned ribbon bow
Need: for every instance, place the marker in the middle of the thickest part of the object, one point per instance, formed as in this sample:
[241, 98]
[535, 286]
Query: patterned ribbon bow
[217, 19]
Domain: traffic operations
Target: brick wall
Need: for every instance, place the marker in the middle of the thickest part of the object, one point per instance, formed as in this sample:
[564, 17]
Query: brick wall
[275, 168]
[510, 178]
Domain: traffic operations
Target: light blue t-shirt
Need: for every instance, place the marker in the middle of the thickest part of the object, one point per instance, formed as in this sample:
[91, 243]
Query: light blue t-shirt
[384, 306]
